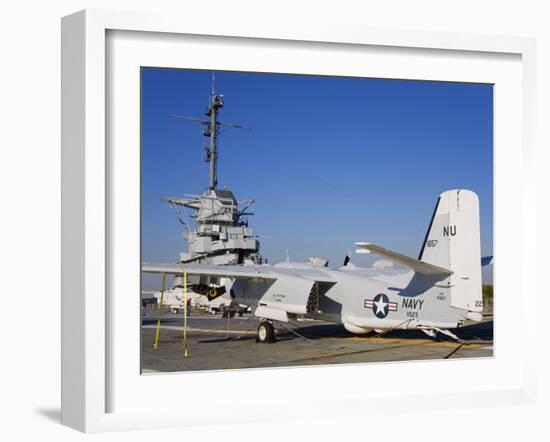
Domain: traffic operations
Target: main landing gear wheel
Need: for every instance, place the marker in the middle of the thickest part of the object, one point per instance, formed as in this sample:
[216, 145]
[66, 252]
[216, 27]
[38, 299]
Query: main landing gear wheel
[266, 332]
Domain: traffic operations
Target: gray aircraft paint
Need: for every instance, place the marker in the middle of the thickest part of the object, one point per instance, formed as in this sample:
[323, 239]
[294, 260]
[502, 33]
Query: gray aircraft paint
[344, 300]
[441, 291]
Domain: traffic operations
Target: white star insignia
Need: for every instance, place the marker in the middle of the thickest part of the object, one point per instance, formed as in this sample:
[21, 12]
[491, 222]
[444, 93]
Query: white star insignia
[380, 305]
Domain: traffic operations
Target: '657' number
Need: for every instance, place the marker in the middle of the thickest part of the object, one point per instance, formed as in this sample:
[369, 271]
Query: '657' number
[432, 243]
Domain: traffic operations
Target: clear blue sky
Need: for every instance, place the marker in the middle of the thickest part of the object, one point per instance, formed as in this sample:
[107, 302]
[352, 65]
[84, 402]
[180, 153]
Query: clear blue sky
[330, 161]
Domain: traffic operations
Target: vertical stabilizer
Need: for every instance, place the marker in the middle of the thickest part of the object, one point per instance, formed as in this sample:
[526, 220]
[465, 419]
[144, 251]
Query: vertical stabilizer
[453, 242]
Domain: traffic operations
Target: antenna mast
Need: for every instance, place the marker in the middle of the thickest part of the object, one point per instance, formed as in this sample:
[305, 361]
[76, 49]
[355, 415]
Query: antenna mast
[216, 212]
[211, 130]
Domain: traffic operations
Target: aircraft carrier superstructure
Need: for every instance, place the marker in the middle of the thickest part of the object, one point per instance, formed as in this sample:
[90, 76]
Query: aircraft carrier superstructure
[220, 233]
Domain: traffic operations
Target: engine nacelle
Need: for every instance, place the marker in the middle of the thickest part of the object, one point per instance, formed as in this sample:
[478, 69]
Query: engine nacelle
[293, 295]
[356, 330]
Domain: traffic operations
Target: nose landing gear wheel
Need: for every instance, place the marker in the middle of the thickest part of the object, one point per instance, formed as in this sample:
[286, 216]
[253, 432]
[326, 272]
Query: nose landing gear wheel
[266, 332]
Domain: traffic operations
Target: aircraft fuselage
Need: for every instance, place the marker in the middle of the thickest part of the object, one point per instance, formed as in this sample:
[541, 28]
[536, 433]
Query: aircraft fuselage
[364, 299]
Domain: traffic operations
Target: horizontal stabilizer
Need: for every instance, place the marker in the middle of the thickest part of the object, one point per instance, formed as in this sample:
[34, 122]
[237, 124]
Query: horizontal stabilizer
[418, 266]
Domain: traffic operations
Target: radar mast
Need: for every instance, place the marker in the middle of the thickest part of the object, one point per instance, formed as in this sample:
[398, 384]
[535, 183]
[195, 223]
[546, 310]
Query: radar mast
[221, 234]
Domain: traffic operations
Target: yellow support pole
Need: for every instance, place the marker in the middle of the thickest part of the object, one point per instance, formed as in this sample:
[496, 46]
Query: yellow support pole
[185, 314]
[163, 288]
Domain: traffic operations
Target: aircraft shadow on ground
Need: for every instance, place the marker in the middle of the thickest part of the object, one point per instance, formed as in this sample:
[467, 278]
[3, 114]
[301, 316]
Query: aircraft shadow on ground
[471, 332]
[226, 339]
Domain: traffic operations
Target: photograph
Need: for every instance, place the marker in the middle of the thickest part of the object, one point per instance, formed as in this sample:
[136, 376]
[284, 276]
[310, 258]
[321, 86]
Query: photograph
[301, 220]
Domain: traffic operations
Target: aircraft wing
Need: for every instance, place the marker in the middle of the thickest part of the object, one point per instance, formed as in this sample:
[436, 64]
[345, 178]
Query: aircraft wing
[225, 271]
[416, 265]
[239, 271]
[276, 292]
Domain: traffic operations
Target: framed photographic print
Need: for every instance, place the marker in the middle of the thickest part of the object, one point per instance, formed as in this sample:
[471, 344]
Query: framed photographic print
[328, 159]
[218, 180]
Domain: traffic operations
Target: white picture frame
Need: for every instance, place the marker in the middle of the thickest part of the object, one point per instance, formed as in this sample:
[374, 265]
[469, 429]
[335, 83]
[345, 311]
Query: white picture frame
[87, 319]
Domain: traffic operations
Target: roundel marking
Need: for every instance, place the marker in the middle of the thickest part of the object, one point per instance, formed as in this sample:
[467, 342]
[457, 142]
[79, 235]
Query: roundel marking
[381, 305]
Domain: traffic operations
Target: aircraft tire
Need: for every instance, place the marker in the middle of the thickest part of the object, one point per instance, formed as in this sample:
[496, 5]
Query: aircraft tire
[266, 333]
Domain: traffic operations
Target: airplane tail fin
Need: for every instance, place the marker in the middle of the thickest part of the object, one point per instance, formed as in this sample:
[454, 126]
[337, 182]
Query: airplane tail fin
[453, 242]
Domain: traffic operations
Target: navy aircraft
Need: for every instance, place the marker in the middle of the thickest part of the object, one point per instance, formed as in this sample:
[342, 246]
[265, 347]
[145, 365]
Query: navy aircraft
[439, 290]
